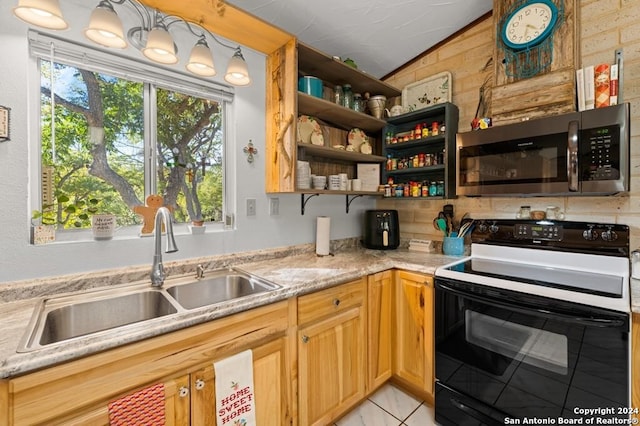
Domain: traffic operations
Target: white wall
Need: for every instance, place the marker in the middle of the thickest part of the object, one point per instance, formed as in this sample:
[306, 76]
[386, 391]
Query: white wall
[20, 260]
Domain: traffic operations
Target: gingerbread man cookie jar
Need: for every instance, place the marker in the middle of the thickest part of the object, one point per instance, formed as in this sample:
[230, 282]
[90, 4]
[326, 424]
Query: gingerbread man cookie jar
[148, 212]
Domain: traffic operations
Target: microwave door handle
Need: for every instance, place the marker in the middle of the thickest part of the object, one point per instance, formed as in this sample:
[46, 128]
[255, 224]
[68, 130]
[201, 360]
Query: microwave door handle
[572, 156]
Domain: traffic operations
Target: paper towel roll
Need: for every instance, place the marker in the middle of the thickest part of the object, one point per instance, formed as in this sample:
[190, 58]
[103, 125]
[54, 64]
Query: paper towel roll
[323, 231]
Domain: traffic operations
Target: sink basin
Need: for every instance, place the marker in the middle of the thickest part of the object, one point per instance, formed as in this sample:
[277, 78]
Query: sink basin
[64, 318]
[219, 286]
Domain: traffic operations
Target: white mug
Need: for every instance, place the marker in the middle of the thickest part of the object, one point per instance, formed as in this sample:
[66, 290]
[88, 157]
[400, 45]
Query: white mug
[344, 179]
[103, 226]
[356, 185]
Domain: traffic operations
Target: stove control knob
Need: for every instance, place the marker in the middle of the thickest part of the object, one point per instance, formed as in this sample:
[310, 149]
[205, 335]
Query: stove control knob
[494, 228]
[609, 235]
[590, 234]
[482, 227]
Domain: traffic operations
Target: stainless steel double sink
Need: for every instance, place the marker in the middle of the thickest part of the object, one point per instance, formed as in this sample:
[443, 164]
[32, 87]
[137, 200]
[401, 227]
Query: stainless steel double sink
[62, 318]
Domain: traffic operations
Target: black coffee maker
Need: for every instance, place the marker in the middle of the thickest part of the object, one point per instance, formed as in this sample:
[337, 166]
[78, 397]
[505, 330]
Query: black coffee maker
[381, 229]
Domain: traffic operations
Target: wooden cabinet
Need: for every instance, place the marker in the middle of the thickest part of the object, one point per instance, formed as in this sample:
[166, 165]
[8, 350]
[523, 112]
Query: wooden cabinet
[285, 104]
[413, 337]
[379, 329]
[78, 392]
[439, 151]
[331, 352]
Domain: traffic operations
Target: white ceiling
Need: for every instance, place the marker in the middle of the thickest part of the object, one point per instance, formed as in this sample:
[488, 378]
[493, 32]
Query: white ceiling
[379, 35]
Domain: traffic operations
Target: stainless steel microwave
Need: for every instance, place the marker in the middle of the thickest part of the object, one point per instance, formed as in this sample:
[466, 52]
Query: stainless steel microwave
[579, 153]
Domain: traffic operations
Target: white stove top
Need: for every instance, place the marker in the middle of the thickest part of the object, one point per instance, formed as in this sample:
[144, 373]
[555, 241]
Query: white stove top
[588, 279]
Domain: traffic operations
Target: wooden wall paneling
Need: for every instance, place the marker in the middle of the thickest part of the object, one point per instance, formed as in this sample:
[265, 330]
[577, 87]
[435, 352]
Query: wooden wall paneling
[550, 92]
[228, 21]
[281, 118]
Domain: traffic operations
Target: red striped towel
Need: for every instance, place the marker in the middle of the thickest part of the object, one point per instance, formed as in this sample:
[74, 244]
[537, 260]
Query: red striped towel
[145, 407]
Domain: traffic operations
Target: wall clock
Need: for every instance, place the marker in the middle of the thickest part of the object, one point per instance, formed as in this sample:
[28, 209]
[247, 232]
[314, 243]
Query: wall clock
[525, 35]
[529, 24]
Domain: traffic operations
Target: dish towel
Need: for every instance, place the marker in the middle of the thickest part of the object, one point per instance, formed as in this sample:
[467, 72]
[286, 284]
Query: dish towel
[235, 402]
[145, 407]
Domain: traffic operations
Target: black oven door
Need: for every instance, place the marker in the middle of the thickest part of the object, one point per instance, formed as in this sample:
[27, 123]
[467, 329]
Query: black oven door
[504, 355]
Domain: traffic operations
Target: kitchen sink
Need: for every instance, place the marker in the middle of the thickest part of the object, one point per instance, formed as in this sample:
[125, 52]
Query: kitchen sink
[63, 318]
[219, 286]
[58, 319]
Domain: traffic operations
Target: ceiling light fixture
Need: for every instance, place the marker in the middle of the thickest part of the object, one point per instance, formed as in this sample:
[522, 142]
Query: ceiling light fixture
[43, 13]
[200, 60]
[237, 71]
[151, 37]
[105, 27]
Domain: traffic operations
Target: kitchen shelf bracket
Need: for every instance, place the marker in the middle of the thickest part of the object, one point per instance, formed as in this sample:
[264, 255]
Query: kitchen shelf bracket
[303, 201]
[349, 201]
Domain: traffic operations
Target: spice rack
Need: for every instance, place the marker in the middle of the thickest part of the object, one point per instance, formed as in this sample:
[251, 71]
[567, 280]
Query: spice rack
[421, 161]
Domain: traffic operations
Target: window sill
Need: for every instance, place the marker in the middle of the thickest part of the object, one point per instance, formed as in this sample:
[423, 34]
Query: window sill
[73, 236]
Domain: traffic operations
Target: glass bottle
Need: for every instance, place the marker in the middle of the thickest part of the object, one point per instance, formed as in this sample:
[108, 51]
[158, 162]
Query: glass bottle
[433, 189]
[338, 95]
[358, 105]
[348, 96]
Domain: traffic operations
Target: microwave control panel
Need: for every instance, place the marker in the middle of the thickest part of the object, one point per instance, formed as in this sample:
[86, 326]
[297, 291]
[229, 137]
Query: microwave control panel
[601, 153]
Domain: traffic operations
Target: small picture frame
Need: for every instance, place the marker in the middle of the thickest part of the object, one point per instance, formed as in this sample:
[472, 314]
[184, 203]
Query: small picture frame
[4, 123]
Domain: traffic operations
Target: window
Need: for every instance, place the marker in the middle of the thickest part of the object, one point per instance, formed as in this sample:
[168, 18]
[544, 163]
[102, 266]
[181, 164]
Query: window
[110, 137]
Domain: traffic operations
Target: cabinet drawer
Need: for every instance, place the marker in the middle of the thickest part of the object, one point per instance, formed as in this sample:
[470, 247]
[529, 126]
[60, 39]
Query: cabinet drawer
[330, 301]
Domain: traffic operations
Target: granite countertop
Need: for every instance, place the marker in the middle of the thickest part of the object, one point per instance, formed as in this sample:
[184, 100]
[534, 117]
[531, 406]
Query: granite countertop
[297, 271]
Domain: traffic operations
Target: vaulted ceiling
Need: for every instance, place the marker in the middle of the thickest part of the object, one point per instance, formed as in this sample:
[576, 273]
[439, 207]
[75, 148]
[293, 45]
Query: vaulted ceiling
[379, 35]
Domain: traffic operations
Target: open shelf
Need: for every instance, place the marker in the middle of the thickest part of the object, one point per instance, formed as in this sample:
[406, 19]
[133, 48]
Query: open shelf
[337, 114]
[339, 154]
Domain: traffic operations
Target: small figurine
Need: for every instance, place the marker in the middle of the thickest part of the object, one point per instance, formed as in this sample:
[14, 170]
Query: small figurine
[148, 212]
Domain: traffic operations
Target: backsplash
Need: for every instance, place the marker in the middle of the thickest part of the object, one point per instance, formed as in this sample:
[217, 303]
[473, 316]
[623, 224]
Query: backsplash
[27, 289]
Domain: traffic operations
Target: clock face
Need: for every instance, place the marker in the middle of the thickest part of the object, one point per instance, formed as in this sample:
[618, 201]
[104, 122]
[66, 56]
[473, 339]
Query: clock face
[529, 24]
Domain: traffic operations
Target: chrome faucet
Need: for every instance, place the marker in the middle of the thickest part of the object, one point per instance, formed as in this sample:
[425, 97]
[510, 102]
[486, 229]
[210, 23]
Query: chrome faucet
[157, 270]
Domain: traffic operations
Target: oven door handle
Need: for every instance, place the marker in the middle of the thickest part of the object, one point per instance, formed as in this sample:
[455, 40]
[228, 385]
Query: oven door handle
[526, 309]
[473, 412]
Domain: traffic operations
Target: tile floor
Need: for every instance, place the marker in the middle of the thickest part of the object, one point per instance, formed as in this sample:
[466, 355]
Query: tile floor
[390, 406]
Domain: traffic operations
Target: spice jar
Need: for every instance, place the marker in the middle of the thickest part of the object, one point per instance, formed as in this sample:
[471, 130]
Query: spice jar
[433, 189]
[417, 133]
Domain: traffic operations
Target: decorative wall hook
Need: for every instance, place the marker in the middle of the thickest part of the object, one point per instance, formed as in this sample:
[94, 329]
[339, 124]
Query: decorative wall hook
[250, 150]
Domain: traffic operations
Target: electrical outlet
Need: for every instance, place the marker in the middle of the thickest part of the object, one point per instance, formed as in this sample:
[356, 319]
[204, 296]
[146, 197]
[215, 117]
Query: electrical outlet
[274, 206]
[251, 206]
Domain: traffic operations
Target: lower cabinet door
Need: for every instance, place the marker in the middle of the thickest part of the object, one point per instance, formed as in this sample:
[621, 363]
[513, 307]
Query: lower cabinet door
[331, 366]
[413, 339]
[270, 385]
[380, 322]
[177, 394]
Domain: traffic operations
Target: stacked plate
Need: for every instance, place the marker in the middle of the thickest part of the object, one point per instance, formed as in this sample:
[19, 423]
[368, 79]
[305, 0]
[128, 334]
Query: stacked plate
[303, 175]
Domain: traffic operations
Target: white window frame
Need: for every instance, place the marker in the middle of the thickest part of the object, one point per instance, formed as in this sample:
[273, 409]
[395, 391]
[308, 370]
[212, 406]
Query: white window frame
[48, 47]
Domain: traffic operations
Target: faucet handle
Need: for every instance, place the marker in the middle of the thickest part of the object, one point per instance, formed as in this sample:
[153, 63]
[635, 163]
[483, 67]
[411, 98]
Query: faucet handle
[199, 272]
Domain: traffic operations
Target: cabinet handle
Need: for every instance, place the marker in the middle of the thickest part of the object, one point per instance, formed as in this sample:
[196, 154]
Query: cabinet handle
[336, 302]
[184, 391]
[199, 384]
[305, 339]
